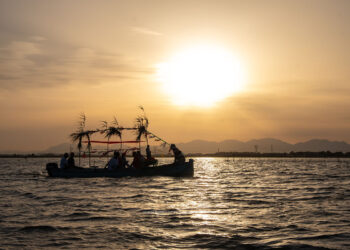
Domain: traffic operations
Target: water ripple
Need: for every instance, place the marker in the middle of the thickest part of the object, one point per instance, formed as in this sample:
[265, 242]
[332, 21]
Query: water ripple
[231, 203]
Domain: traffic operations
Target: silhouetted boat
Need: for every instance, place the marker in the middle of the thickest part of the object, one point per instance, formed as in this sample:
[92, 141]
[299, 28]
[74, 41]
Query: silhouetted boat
[179, 170]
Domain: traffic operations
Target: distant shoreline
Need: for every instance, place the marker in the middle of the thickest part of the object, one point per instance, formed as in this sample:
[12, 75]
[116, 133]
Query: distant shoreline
[322, 154]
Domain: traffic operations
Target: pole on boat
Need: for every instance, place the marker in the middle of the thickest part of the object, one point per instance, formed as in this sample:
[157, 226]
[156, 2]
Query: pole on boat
[89, 158]
[157, 138]
[107, 150]
[89, 148]
[105, 127]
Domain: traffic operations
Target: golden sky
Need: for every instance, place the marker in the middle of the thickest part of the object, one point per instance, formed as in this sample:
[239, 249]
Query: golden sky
[61, 58]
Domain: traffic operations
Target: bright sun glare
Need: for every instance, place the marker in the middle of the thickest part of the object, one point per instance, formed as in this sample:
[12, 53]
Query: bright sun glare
[201, 76]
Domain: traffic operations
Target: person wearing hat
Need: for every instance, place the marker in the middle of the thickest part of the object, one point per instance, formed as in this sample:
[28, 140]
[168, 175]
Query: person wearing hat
[179, 157]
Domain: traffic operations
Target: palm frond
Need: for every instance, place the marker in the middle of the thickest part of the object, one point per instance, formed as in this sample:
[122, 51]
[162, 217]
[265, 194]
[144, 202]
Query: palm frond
[142, 120]
[78, 136]
[111, 131]
[140, 127]
[90, 132]
[75, 136]
[146, 122]
[115, 121]
[141, 132]
[82, 122]
[81, 133]
[104, 124]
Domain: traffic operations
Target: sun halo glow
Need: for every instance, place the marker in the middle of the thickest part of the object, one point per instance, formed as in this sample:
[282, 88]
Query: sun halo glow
[201, 76]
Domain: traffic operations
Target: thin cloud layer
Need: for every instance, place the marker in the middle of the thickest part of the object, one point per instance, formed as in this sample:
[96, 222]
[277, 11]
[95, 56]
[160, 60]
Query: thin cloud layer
[145, 31]
[33, 63]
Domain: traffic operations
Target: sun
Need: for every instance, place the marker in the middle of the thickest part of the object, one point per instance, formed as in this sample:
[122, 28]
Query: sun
[201, 76]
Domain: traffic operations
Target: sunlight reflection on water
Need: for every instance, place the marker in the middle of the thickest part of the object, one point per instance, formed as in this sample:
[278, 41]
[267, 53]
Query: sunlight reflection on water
[230, 203]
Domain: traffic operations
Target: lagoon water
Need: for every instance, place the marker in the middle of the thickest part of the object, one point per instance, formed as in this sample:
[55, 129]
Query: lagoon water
[233, 203]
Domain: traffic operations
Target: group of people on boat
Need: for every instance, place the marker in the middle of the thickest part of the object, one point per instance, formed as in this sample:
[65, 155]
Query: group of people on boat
[67, 161]
[118, 161]
[139, 161]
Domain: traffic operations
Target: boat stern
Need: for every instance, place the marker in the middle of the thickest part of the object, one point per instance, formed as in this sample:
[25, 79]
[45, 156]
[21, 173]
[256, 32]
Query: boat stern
[190, 169]
[50, 167]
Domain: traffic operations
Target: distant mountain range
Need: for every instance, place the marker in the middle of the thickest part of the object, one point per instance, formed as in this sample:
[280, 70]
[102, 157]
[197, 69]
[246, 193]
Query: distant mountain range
[266, 145]
[60, 148]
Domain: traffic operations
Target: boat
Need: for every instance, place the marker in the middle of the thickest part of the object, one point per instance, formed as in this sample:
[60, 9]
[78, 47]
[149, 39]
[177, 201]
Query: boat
[141, 127]
[174, 170]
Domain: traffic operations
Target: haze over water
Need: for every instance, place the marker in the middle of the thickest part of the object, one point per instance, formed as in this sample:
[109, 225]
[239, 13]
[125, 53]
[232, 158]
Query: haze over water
[240, 203]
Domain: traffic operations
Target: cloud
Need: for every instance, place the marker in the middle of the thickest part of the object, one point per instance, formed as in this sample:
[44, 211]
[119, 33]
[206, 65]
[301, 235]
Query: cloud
[146, 31]
[38, 38]
[295, 115]
[38, 63]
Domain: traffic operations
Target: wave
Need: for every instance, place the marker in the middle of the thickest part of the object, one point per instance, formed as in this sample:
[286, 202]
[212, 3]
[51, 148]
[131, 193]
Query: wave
[199, 240]
[32, 196]
[325, 236]
[78, 214]
[301, 247]
[132, 197]
[222, 207]
[95, 218]
[155, 211]
[41, 228]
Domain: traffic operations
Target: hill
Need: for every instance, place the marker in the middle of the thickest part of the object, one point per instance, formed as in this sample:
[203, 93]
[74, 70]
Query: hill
[265, 145]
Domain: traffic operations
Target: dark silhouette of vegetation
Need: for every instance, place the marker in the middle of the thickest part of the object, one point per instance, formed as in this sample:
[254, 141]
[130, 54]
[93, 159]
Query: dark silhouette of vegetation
[110, 131]
[80, 134]
[141, 125]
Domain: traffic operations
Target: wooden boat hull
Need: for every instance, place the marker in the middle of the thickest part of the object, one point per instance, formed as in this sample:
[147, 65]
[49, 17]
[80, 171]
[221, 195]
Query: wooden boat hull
[178, 170]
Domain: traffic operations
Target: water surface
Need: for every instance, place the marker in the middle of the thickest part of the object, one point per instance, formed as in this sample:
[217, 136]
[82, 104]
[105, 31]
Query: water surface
[242, 203]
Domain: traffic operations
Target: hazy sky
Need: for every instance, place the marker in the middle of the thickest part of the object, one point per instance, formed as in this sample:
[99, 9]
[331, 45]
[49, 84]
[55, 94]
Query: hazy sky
[61, 58]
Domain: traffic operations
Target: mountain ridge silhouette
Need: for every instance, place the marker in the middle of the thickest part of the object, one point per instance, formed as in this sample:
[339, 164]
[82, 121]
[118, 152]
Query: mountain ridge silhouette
[264, 145]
